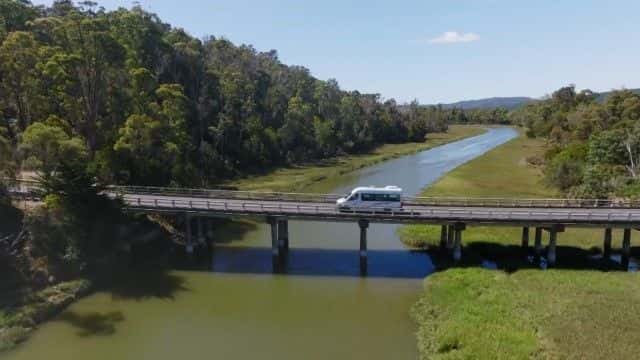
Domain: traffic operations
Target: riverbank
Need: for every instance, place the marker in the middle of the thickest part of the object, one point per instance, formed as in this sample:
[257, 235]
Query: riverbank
[22, 310]
[297, 178]
[573, 311]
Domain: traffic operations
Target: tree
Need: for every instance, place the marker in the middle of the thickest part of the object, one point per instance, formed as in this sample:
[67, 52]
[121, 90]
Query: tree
[19, 75]
[44, 147]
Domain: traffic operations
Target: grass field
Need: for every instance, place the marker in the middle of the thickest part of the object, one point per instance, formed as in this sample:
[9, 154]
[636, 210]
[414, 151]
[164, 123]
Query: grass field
[582, 309]
[297, 178]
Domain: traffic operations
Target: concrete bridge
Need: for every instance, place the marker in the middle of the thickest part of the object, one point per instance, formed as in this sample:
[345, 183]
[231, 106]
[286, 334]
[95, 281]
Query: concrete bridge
[453, 215]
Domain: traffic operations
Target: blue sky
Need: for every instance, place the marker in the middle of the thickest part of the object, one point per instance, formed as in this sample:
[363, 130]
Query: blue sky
[435, 51]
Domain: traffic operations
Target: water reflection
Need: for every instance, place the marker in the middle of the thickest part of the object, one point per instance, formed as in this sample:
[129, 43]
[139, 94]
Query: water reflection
[324, 262]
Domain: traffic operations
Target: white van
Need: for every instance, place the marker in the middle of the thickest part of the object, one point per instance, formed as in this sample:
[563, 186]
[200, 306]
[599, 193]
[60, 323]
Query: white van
[372, 198]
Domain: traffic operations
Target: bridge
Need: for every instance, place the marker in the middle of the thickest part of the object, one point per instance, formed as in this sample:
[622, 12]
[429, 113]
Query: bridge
[453, 215]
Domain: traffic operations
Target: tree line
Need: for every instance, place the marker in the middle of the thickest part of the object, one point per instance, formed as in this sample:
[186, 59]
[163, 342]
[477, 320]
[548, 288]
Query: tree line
[594, 146]
[142, 102]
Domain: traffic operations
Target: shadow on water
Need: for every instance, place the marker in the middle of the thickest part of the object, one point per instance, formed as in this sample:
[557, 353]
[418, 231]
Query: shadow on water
[323, 262]
[94, 323]
[146, 284]
[512, 258]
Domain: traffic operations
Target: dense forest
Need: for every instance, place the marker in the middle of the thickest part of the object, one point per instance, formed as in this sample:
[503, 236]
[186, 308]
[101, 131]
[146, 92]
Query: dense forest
[142, 102]
[594, 146]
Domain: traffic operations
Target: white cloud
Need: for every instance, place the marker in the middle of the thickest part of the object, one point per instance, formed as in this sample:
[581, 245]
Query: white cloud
[451, 37]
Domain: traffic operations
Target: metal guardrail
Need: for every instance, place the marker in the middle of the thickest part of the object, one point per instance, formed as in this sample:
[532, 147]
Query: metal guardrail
[31, 187]
[433, 213]
[426, 201]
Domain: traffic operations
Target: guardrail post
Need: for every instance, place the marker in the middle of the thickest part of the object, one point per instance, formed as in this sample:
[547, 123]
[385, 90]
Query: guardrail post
[606, 248]
[364, 224]
[626, 248]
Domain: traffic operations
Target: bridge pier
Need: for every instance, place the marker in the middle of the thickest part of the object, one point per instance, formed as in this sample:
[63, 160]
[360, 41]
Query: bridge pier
[525, 238]
[606, 248]
[551, 250]
[201, 239]
[364, 225]
[538, 241]
[457, 242]
[553, 239]
[443, 237]
[626, 248]
[188, 235]
[283, 240]
[275, 249]
[450, 237]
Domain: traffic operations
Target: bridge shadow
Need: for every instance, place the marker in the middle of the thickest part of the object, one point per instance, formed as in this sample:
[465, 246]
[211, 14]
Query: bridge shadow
[323, 262]
[512, 258]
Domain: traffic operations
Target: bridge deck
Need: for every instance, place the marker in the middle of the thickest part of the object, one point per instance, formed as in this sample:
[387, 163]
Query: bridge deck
[411, 213]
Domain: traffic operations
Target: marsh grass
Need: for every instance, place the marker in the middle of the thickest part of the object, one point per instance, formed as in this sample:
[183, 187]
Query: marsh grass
[583, 308]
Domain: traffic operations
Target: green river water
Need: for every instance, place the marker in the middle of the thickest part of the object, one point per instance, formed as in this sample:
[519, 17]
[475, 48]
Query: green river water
[321, 309]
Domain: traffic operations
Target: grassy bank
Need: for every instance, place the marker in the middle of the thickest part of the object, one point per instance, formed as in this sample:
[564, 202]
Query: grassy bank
[573, 311]
[22, 310]
[297, 178]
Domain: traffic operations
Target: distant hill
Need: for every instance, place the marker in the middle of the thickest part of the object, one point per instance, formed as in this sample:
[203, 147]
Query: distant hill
[490, 103]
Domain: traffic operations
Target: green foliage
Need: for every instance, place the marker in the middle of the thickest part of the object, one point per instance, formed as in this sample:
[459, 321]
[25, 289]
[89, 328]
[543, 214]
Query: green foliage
[156, 106]
[45, 146]
[596, 146]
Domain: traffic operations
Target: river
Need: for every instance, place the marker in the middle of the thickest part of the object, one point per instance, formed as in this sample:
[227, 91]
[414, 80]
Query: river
[238, 309]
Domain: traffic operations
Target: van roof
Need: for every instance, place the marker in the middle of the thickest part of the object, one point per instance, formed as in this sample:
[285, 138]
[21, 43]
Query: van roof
[385, 189]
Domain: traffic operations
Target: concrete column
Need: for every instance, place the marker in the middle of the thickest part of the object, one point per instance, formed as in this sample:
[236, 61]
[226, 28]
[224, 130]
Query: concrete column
[457, 245]
[450, 236]
[626, 248]
[525, 237]
[275, 251]
[551, 251]
[200, 230]
[189, 241]
[606, 248]
[538, 241]
[443, 236]
[364, 224]
[283, 236]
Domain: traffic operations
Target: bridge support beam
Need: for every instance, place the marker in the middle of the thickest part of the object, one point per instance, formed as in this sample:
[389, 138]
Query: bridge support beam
[364, 225]
[525, 238]
[551, 250]
[553, 239]
[275, 250]
[443, 236]
[201, 239]
[457, 241]
[188, 235]
[283, 240]
[626, 248]
[450, 237]
[606, 247]
[538, 241]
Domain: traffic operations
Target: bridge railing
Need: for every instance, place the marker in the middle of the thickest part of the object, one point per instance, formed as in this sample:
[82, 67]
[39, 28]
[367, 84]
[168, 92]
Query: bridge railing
[425, 201]
[226, 194]
[433, 213]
